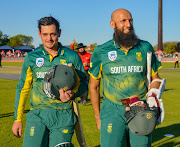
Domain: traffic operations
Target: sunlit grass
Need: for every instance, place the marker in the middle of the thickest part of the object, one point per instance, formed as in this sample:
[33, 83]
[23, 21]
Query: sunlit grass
[170, 125]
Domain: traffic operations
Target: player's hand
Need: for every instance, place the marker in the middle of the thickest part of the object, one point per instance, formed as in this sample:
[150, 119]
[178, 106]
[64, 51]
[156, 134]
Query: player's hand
[73, 42]
[151, 99]
[66, 95]
[98, 123]
[17, 129]
[127, 109]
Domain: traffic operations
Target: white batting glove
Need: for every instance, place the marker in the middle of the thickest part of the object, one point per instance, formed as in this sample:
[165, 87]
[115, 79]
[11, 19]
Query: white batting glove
[154, 100]
[152, 97]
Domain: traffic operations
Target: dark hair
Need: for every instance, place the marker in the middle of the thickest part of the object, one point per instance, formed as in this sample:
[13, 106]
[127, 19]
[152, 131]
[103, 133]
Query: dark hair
[46, 21]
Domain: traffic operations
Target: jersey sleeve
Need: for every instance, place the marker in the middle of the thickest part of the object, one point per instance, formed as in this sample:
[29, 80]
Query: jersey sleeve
[22, 90]
[96, 64]
[81, 84]
[155, 64]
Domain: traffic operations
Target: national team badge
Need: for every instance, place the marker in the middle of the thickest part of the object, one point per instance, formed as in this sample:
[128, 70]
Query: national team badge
[112, 55]
[149, 115]
[32, 131]
[39, 62]
[139, 56]
[109, 128]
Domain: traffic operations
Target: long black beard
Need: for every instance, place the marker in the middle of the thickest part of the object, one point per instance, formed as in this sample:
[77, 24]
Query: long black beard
[126, 40]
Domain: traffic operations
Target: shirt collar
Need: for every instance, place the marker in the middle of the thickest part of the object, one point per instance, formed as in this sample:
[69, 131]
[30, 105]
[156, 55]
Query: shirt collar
[59, 50]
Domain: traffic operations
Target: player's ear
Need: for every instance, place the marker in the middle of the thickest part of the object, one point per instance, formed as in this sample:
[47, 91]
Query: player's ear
[112, 23]
[39, 33]
[59, 33]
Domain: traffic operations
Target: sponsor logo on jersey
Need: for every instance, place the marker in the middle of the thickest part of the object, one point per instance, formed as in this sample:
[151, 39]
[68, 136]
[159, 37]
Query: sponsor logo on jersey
[32, 131]
[112, 55]
[125, 69]
[40, 75]
[139, 56]
[39, 62]
[109, 128]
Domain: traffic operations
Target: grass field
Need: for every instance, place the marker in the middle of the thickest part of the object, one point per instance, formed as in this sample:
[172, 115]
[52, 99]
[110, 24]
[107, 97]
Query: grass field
[170, 125]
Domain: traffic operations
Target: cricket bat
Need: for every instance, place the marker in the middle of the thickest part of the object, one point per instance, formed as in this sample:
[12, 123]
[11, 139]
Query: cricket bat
[78, 127]
[149, 56]
[161, 88]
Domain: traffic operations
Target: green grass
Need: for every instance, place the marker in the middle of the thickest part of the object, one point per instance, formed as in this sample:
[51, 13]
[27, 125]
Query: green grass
[170, 125]
[12, 63]
[167, 65]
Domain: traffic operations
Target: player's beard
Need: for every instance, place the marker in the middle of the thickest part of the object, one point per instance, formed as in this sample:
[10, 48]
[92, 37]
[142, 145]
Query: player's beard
[126, 40]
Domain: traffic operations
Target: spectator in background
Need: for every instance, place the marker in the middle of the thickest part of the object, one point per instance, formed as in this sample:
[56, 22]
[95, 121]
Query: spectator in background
[160, 57]
[9, 53]
[72, 44]
[85, 57]
[3, 53]
[176, 61]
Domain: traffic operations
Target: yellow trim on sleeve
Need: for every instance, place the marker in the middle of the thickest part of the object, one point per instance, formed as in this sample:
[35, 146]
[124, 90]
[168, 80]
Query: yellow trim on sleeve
[99, 75]
[24, 94]
[155, 73]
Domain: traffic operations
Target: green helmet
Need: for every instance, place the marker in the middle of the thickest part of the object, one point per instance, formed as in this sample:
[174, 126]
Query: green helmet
[59, 77]
[141, 120]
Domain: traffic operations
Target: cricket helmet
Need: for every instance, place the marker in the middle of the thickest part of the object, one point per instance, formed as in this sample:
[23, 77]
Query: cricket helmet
[141, 120]
[62, 76]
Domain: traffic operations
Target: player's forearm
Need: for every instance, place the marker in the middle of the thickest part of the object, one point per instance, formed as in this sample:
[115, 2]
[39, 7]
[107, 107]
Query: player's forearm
[155, 84]
[95, 99]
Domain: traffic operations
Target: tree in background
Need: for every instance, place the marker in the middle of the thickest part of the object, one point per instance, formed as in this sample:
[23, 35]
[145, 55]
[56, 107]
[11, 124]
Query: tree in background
[75, 46]
[169, 47]
[93, 46]
[4, 39]
[20, 40]
[178, 47]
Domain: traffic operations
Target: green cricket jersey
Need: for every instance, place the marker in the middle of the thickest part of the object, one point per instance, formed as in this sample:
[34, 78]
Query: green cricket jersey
[36, 64]
[123, 73]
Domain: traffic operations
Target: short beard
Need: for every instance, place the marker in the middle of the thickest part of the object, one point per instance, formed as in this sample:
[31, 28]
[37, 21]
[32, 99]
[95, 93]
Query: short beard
[126, 40]
[82, 53]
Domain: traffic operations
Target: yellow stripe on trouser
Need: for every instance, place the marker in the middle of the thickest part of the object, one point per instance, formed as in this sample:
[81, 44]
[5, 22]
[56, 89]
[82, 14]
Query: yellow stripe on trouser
[24, 93]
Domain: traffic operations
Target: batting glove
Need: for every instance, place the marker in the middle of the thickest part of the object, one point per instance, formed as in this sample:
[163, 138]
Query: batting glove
[152, 97]
[132, 101]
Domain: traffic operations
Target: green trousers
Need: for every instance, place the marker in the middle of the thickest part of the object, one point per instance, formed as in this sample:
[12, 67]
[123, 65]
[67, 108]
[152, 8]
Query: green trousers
[114, 130]
[49, 127]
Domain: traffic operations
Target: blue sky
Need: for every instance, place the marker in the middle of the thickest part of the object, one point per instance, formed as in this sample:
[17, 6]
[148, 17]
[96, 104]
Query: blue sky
[88, 20]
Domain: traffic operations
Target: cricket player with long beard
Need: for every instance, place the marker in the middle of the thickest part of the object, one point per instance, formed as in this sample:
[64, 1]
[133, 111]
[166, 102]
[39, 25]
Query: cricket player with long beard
[121, 63]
